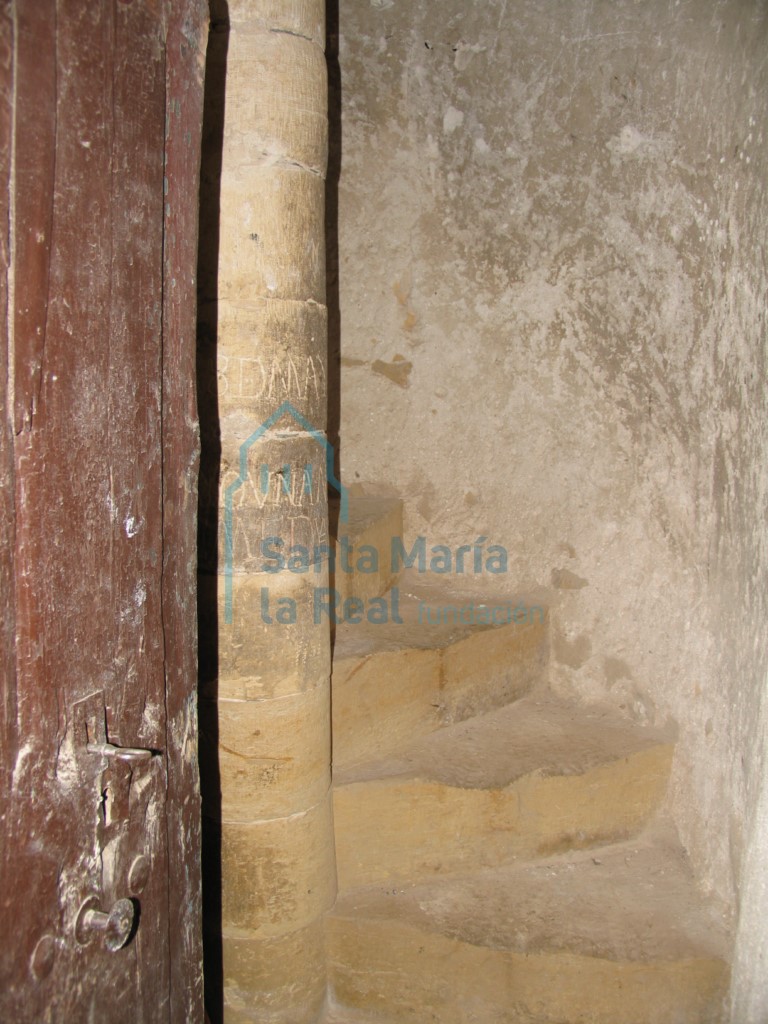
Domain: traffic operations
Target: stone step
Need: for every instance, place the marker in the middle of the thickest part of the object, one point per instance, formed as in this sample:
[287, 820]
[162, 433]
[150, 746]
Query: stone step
[335, 1014]
[394, 682]
[371, 525]
[535, 777]
[615, 936]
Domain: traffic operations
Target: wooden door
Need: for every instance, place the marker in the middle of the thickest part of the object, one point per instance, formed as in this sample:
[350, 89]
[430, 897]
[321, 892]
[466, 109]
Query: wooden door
[100, 104]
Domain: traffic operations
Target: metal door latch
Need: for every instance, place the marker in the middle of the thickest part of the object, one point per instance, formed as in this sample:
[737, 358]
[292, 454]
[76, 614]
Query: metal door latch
[114, 928]
[115, 773]
[91, 725]
[129, 755]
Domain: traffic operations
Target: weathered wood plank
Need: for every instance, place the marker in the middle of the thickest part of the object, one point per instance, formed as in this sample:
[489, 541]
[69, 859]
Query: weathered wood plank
[187, 32]
[94, 588]
[8, 731]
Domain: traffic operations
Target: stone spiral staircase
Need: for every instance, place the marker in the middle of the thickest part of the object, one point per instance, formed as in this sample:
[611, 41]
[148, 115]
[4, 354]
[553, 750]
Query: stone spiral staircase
[501, 858]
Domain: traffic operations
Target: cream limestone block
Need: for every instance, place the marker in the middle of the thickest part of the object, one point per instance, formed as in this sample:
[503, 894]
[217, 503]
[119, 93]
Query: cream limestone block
[609, 802]
[272, 224]
[402, 829]
[413, 975]
[372, 523]
[615, 935]
[260, 659]
[278, 875]
[382, 703]
[273, 351]
[304, 18]
[280, 980]
[273, 755]
[293, 129]
[272, 499]
[383, 700]
[491, 668]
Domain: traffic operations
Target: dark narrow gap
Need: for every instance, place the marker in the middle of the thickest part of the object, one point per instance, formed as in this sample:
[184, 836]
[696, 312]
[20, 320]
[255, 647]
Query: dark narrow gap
[332, 258]
[208, 502]
[210, 438]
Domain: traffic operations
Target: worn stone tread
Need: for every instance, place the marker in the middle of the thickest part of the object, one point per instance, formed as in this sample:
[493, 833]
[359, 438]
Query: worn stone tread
[346, 1015]
[395, 682]
[615, 936]
[419, 591]
[529, 779]
[635, 900]
[363, 511]
[371, 522]
[539, 734]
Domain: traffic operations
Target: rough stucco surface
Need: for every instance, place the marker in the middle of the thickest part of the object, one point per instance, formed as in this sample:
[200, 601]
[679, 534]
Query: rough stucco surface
[552, 222]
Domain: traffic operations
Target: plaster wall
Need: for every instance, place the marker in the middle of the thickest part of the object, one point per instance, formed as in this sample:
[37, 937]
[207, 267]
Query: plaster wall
[552, 293]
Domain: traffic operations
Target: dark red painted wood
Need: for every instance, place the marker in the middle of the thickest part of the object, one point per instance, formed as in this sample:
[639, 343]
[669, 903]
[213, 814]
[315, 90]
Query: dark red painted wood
[36, 71]
[187, 36]
[8, 732]
[98, 479]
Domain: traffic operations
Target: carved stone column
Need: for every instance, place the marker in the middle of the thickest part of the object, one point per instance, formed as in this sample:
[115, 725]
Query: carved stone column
[270, 701]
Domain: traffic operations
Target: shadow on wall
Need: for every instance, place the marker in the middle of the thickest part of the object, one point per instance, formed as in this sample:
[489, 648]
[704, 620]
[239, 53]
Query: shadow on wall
[208, 501]
[332, 233]
[332, 264]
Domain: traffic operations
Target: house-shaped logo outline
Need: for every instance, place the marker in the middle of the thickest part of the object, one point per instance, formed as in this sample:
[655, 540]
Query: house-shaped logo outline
[285, 409]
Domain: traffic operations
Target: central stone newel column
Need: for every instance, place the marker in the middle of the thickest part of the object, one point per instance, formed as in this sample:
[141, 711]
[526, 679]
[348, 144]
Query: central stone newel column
[273, 697]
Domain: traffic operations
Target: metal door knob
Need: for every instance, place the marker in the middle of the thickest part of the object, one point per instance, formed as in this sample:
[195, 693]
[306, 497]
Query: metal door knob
[114, 928]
